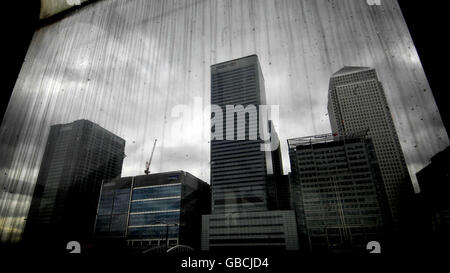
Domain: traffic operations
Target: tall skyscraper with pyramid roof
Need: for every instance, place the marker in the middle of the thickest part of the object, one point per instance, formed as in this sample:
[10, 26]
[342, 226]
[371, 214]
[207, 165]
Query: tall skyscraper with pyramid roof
[356, 101]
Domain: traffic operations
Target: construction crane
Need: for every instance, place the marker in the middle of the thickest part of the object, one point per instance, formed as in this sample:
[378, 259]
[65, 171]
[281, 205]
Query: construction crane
[147, 164]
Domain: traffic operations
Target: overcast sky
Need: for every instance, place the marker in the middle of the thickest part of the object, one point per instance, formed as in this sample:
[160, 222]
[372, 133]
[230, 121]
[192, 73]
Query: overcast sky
[125, 65]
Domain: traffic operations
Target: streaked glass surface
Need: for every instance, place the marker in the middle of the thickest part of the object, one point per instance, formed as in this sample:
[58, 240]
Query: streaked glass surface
[127, 64]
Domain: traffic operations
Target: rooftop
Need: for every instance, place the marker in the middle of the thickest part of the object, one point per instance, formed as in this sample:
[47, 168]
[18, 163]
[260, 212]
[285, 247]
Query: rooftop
[310, 140]
[350, 69]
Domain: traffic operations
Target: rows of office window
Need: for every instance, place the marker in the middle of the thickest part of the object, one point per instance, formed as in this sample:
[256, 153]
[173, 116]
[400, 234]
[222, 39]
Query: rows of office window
[323, 243]
[327, 166]
[246, 218]
[331, 188]
[337, 230]
[316, 205]
[112, 225]
[238, 170]
[221, 78]
[355, 212]
[249, 176]
[388, 152]
[308, 154]
[355, 77]
[168, 217]
[115, 225]
[265, 233]
[172, 190]
[245, 207]
[264, 241]
[308, 160]
[231, 84]
[232, 165]
[151, 243]
[138, 206]
[225, 153]
[238, 200]
[334, 161]
[357, 112]
[376, 125]
[235, 72]
[117, 201]
[222, 153]
[365, 88]
[249, 186]
[244, 182]
[232, 223]
[353, 105]
[338, 175]
[257, 170]
[331, 201]
[153, 231]
[114, 201]
[339, 179]
[391, 171]
[241, 99]
[313, 171]
[341, 194]
[348, 221]
[318, 154]
[229, 149]
[245, 226]
[234, 88]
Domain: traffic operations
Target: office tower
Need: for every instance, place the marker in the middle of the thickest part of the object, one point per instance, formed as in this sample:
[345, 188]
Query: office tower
[357, 102]
[238, 164]
[338, 194]
[77, 157]
[146, 211]
[244, 178]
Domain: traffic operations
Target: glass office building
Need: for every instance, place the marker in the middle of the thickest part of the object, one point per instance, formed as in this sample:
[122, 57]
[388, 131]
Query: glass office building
[153, 210]
[339, 196]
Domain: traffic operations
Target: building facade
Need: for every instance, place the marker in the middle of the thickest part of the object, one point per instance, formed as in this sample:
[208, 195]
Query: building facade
[265, 230]
[338, 193]
[357, 102]
[246, 180]
[77, 157]
[146, 211]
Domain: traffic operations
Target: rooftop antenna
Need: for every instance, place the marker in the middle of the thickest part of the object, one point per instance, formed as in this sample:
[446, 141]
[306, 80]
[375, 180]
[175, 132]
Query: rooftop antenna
[147, 164]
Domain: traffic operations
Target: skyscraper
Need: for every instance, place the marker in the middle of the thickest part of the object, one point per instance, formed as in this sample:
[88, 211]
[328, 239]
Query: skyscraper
[77, 157]
[238, 167]
[244, 177]
[357, 102]
[339, 195]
